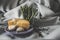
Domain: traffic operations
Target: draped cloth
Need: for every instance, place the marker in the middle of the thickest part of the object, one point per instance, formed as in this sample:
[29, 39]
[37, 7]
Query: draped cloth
[12, 8]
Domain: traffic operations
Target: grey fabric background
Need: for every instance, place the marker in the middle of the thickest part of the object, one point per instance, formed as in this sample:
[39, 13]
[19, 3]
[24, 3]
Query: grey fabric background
[52, 24]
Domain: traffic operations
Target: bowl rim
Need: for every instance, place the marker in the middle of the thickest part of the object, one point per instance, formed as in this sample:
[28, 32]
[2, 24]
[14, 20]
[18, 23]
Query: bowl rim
[14, 32]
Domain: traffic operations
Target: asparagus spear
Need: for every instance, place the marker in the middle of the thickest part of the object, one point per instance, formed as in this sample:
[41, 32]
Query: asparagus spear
[21, 16]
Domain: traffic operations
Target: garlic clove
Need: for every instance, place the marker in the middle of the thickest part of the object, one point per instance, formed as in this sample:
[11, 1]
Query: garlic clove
[19, 29]
[11, 27]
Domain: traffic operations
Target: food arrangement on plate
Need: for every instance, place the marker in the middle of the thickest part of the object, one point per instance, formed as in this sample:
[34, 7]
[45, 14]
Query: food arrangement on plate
[24, 24]
[27, 23]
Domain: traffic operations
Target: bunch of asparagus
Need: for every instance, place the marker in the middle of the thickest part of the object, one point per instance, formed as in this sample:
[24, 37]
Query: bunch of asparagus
[28, 12]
